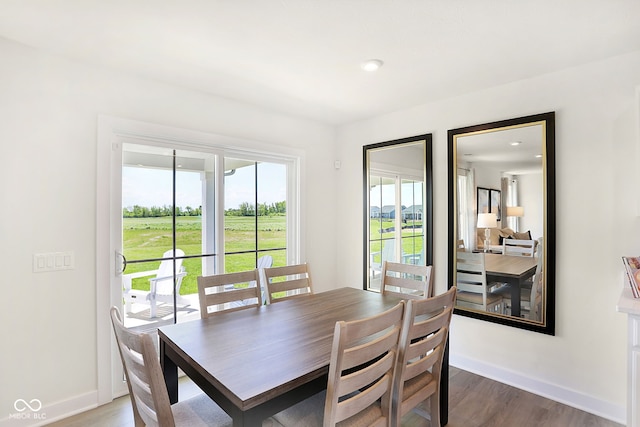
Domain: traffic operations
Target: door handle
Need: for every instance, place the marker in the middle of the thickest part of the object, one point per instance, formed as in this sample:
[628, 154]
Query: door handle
[121, 265]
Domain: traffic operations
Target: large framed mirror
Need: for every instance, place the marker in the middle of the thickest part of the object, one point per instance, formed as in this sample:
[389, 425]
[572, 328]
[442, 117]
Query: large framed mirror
[398, 205]
[502, 221]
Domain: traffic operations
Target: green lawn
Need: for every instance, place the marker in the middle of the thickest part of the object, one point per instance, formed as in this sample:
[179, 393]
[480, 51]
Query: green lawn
[146, 238]
[383, 229]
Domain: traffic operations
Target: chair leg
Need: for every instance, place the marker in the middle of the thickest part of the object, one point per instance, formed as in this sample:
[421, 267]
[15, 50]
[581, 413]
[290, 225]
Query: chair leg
[435, 409]
[152, 305]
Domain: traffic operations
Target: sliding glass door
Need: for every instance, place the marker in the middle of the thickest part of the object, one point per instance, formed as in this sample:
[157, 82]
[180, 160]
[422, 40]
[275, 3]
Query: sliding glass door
[191, 213]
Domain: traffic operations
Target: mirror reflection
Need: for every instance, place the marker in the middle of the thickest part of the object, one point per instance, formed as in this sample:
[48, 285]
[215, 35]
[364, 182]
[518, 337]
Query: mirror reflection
[500, 175]
[397, 205]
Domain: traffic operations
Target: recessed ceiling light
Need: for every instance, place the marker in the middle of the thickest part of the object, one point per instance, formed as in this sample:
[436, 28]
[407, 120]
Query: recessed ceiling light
[514, 143]
[371, 65]
[538, 156]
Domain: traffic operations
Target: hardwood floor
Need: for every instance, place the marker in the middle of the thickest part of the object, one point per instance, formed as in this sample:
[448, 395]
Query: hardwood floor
[474, 401]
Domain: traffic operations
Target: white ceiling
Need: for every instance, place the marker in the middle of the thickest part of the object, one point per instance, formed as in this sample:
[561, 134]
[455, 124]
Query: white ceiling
[302, 57]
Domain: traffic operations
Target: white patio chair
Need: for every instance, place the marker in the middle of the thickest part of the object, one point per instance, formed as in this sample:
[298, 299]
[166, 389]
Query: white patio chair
[161, 286]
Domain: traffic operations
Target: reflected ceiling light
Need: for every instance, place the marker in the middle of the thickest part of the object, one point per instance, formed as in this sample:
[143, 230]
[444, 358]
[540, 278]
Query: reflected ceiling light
[538, 156]
[371, 65]
[514, 143]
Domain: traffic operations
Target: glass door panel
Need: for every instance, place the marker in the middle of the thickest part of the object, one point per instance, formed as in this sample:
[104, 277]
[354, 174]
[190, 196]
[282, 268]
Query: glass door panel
[255, 215]
[412, 221]
[162, 203]
[272, 212]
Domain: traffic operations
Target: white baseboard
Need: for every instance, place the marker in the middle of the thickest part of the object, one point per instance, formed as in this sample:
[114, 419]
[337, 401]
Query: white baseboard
[50, 413]
[554, 392]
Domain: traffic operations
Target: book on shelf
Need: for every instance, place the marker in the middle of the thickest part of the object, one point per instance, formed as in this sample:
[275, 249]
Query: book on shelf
[632, 268]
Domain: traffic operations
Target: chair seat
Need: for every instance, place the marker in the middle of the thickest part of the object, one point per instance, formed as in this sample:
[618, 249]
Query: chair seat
[372, 416]
[201, 411]
[308, 413]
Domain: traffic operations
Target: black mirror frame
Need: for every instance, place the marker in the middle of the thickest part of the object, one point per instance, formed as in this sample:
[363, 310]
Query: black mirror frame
[428, 202]
[548, 327]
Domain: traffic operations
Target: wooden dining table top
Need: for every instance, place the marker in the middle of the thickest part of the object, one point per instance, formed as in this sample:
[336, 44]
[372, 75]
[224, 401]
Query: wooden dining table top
[507, 265]
[254, 355]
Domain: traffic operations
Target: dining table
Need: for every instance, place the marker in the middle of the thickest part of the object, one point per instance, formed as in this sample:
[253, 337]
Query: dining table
[259, 361]
[514, 270]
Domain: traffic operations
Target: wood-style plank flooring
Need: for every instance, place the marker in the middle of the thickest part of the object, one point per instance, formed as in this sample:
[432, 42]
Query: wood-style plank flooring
[474, 401]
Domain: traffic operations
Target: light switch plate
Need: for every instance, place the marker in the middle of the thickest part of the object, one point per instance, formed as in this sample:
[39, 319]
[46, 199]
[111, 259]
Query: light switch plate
[53, 261]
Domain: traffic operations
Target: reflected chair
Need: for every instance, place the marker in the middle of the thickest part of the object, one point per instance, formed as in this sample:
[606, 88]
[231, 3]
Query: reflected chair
[406, 280]
[531, 298]
[283, 283]
[530, 291]
[147, 389]
[460, 245]
[388, 253]
[472, 283]
[228, 292]
[363, 358]
[160, 287]
[517, 247]
[420, 353]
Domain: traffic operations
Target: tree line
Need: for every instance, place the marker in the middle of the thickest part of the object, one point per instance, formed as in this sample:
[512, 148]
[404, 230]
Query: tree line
[245, 209]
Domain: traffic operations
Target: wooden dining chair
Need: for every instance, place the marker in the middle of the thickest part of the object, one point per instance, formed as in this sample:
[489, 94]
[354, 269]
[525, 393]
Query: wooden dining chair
[229, 292]
[291, 281]
[420, 353]
[517, 247]
[406, 280]
[363, 358]
[471, 281]
[148, 391]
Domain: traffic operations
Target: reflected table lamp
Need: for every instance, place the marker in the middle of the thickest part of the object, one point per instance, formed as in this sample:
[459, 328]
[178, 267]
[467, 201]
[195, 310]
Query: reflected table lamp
[517, 212]
[487, 221]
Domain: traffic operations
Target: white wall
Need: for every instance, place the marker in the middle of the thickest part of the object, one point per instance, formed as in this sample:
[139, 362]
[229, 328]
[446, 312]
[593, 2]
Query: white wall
[584, 364]
[49, 109]
[531, 198]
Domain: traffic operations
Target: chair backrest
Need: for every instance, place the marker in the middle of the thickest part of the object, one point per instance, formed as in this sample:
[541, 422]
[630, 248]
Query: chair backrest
[363, 358]
[164, 278]
[291, 281]
[406, 280]
[147, 389]
[471, 278]
[420, 352]
[535, 302]
[460, 245]
[228, 292]
[517, 247]
[387, 253]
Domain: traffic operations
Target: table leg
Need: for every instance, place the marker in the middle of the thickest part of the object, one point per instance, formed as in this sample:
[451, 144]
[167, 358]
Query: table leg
[170, 372]
[515, 299]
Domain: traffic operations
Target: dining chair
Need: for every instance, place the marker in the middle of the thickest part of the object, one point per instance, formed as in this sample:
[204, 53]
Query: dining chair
[471, 281]
[283, 283]
[148, 391]
[529, 291]
[406, 280]
[420, 353]
[517, 247]
[531, 297]
[363, 358]
[229, 292]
